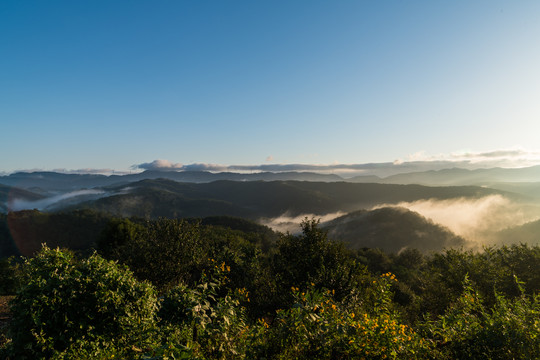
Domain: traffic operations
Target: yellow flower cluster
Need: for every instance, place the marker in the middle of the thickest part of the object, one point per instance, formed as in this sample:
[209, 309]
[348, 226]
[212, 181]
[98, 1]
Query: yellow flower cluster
[225, 267]
[263, 322]
[363, 334]
[243, 293]
[390, 276]
[380, 335]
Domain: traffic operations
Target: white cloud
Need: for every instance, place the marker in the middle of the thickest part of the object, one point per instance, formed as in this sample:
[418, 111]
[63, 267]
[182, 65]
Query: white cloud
[418, 161]
[509, 158]
[90, 171]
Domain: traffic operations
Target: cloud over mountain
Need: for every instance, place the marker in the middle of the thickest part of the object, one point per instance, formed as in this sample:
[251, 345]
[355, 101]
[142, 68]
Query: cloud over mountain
[420, 161]
[417, 162]
[159, 164]
[506, 158]
[476, 219]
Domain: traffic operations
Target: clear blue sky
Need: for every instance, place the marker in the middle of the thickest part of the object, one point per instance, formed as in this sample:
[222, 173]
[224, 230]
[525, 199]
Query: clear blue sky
[110, 84]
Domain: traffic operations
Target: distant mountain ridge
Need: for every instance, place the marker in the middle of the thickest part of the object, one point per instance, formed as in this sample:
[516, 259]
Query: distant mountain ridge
[54, 181]
[457, 176]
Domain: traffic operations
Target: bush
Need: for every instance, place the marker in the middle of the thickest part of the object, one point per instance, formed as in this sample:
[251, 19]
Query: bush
[69, 306]
[471, 330]
[208, 325]
[318, 327]
[165, 252]
[311, 257]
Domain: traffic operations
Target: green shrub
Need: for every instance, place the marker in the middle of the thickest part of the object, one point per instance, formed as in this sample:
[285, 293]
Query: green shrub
[318, 327]
[69, 306]
[207, 325]
[471, 330]
[311, 257]
[165, 252]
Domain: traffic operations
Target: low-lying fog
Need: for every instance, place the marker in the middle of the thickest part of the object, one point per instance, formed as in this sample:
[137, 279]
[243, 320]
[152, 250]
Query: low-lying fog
[287, 223]
[55, 200]
[474, 219]
[477, 220]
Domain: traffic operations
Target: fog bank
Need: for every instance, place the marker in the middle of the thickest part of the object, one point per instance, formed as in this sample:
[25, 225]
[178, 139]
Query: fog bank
[42, 204]
[474, 219]
[287, 223]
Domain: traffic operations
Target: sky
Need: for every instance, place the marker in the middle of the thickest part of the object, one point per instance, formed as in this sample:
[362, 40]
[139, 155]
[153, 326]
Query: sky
[99, 85]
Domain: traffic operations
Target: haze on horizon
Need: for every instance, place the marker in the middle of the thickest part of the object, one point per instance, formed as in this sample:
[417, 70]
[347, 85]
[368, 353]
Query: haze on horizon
[101, 86]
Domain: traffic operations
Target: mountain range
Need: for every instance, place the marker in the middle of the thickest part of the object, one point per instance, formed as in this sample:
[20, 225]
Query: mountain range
[450, 176]
[53, 190]
[364, 205]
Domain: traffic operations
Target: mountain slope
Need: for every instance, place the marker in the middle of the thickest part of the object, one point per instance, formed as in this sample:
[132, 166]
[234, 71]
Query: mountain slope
[528, 233]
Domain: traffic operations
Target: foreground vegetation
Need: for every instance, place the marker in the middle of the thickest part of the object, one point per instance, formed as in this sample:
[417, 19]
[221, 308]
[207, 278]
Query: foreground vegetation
[229, 289]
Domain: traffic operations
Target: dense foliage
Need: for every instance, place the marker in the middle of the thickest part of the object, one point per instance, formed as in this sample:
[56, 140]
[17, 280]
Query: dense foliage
[67, 306]
[224, 288]
[471, 330]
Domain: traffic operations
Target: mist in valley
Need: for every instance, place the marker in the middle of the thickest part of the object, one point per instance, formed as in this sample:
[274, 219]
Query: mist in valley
[477, 220]
[288, 223]
[477, 216]
[57, 200]
[484, 221]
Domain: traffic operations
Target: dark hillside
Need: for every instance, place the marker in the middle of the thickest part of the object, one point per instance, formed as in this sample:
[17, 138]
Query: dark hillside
[166, 198]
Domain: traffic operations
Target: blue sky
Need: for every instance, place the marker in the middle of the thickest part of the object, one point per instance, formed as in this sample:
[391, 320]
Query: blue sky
[112, 84]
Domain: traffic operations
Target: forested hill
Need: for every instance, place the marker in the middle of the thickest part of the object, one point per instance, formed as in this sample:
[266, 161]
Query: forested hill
[392, 229]
[256, 199]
